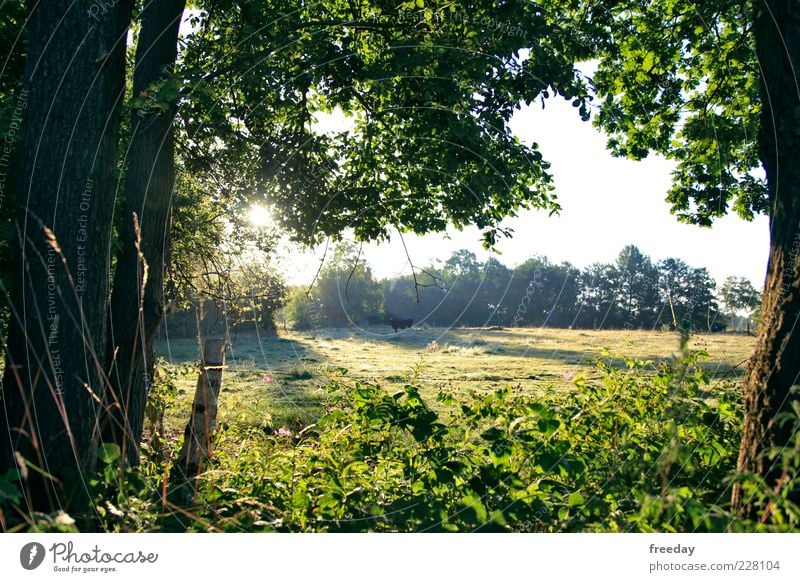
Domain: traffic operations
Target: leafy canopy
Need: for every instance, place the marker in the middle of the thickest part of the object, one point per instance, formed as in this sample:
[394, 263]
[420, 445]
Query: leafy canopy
[429, 88]
[680, 79]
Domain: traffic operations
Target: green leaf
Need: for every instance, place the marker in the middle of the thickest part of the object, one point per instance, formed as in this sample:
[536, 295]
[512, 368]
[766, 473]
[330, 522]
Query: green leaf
[108, 453]
[473, 501]
[576, 499]
[548, 426]
[300, 500]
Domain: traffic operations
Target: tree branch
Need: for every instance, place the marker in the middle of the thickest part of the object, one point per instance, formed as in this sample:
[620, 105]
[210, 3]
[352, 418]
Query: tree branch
[321, 263]
[355, 266]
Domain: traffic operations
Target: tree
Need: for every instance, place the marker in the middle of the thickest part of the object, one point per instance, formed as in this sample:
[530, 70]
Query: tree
[264, 294]
[250, 79]
[346, 291]
[637, 294]
[775, 368]
[676, 77]
[542, 293]
[12, 105]
[242, 97]
[739, 296]
[702, 309]
[415, 104]
[688, 295]
[421, 297]
[65, 184]
[137, 301]
[462, 276]
[598, 291]
[299, 310]
[242, 292]
[710, 85]
[494, 294]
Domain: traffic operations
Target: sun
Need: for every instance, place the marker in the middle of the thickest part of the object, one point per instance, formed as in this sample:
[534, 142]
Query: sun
[259, 215]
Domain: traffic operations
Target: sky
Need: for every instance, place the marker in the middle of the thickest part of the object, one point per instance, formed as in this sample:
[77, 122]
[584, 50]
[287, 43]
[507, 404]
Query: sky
[606, 202]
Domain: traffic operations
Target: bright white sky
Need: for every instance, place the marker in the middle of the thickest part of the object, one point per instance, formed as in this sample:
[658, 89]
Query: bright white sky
[606, 203]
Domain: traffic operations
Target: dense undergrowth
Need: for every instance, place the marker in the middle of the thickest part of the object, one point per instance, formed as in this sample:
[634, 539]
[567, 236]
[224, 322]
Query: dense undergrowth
[644, 449]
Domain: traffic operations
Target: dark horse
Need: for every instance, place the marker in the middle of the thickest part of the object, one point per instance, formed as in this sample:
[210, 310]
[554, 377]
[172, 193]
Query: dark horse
[397, 323]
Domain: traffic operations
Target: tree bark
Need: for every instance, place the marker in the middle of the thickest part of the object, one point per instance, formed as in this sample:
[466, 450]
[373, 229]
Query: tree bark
[775, 366]
[65, 187]
[137, 301]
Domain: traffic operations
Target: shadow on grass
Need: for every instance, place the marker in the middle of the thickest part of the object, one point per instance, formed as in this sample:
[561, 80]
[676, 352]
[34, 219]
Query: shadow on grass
[270, 382]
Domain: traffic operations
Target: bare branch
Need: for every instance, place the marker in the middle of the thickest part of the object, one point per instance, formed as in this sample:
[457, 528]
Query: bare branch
[321, 263]
[355, 266]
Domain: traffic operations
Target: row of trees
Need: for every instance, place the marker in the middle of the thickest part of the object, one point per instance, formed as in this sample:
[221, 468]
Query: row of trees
[631, 292]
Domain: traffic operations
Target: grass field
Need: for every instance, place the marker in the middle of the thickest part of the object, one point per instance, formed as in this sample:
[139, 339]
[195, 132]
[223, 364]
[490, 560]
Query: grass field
[279, 381]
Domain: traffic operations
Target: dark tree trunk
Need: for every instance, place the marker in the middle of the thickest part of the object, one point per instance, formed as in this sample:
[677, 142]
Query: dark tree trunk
[267, 316]
[66, 180]
[775, 366]
[137, 301]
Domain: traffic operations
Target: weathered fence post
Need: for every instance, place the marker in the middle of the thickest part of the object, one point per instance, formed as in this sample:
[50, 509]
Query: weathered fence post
[196, 449]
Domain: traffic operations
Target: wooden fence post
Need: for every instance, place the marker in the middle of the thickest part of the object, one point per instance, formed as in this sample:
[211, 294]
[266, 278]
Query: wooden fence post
[197, 437]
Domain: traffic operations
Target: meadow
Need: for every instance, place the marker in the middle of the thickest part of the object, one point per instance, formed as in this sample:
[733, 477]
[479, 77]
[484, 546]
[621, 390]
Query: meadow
[274, 381]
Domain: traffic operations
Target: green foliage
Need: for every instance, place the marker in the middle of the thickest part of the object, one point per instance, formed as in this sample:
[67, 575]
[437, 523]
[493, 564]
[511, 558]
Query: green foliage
[300, 311]
[162, 395]
[740, 297]
[219, 262]
[215, 253]
[124, 496]
[425, 88]
[637, 292]
[638, 451]
[689, 294]
[738, 294]
[680, 78]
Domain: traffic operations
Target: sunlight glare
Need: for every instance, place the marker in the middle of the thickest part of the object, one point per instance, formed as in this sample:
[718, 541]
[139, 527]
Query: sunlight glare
[259, 215]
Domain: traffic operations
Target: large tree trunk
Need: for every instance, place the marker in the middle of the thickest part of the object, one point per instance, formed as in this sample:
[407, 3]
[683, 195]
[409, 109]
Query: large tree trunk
[775, 366]
[137, 302]
[65, 184]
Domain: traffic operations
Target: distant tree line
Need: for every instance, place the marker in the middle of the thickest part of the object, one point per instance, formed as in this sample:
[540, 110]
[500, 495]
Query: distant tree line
[633, 292]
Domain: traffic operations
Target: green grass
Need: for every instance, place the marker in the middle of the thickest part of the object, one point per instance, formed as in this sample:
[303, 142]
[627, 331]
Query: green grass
[278, 381]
